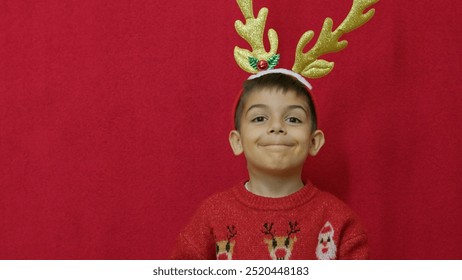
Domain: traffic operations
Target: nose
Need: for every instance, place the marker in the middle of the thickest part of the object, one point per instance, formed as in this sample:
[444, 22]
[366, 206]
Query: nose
[276, 127]
[280, 253]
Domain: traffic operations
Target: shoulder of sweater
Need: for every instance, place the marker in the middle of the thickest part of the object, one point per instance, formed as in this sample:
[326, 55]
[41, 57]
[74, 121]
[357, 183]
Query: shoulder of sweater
[220, 195]
[340, 211]
[218, 198]
[332, 202]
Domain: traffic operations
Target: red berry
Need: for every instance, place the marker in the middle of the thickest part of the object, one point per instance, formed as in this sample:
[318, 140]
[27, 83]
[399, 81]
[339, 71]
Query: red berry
[262, 65]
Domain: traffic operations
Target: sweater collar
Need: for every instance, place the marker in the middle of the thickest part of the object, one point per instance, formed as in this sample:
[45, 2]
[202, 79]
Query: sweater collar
[294, 200]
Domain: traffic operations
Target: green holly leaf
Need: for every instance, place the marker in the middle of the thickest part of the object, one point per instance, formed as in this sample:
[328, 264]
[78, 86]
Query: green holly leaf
[273, 61]
[253, 62]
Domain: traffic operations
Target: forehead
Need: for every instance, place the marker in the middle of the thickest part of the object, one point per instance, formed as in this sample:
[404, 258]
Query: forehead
[275, 98]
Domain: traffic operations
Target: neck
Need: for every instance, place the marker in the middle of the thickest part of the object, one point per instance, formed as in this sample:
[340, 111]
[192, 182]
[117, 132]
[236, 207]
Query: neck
[270, 185]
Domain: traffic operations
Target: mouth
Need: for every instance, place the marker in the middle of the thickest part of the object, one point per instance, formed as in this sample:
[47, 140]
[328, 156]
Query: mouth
[276, 147]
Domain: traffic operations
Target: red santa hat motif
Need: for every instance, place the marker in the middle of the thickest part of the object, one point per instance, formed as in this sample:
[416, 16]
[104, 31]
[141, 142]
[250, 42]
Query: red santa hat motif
[326, 249]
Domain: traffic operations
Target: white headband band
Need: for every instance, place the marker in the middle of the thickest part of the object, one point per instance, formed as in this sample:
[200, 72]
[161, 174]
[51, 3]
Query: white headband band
[283, 71]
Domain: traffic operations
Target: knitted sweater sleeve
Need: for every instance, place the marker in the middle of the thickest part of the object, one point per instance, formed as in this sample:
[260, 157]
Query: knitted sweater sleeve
[355, 248]
[354, 244]
[196, 241]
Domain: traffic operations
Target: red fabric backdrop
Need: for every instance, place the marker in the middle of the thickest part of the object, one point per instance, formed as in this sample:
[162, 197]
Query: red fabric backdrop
[114, 118]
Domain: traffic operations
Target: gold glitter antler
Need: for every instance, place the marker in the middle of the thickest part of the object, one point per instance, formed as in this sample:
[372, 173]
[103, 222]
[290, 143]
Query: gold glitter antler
[308, 63]
[252, 31]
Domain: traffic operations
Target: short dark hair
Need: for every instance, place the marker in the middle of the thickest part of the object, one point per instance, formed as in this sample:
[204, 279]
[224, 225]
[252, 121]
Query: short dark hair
[274, 81]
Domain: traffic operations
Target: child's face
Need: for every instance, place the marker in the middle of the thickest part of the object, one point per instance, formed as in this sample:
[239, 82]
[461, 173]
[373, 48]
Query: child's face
[275, 133]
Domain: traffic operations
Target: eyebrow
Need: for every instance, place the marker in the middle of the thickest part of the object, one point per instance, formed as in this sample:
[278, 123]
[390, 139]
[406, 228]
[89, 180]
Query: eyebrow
[290, 107]
[263, 106]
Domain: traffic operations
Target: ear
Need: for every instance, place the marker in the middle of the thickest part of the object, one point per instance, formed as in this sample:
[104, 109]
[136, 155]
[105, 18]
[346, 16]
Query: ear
[235, 142]
[317, 141]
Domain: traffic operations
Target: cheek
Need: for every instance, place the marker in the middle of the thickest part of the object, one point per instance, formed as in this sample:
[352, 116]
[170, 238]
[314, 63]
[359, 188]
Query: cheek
[304, 146]
[302, 137]
[251, 135]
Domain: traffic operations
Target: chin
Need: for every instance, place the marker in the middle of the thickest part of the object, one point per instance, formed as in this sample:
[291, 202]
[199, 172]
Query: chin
[277, 166]
[281, 169]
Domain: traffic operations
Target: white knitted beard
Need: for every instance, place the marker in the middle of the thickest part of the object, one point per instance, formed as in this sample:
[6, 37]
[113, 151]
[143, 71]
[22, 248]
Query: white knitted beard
[331, 251]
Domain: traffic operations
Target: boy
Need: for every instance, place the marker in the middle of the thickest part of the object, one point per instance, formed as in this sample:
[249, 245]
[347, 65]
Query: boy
[274, 214]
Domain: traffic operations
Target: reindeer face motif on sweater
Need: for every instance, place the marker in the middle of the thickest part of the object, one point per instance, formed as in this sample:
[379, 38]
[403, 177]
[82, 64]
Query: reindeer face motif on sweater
[326, 249]
[280, 247]
[225, 247]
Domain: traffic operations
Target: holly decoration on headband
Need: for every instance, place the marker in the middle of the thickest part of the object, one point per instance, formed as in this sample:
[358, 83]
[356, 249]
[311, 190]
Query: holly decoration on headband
[261, 65]
[306, 63]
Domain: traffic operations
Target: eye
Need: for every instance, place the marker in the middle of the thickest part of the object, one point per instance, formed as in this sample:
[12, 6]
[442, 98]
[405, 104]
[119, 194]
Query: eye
[293, 120]
[258, 119]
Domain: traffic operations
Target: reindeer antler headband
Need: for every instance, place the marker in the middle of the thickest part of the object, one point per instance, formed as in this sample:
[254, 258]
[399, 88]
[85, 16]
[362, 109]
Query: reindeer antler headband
[307, 64]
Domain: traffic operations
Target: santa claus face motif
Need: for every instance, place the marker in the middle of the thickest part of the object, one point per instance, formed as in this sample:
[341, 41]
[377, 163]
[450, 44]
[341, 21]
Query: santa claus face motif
[326, 249]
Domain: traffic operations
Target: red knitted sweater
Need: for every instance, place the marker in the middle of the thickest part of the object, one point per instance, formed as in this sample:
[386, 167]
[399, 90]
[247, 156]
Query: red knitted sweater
[236, 224]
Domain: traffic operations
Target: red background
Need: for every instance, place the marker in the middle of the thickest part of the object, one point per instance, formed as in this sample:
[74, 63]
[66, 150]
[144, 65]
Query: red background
[114, 118]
